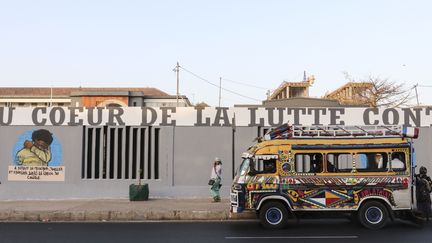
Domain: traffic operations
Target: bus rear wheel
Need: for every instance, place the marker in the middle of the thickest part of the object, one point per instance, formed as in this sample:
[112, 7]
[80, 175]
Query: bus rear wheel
[273, 215]
[373, 215]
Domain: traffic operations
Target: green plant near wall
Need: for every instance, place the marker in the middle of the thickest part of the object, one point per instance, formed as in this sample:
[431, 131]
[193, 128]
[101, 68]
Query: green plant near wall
[139, 192]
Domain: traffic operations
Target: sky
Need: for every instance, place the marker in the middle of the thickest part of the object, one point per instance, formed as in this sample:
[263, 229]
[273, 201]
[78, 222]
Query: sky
[253, 45]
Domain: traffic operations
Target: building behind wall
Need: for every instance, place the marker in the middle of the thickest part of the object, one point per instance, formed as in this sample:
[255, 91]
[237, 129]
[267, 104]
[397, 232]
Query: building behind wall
[353, 93]
[287, 90]
[296, 94]
[88, 97]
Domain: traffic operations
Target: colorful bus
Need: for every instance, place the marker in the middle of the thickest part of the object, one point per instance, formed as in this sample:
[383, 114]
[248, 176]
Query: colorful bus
[365, 172]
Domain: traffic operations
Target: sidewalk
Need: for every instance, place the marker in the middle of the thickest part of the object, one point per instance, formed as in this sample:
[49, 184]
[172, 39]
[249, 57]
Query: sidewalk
[87, 210]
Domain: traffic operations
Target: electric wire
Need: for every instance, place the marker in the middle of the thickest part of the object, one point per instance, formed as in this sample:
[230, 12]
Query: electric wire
[245, 84]
[217, 86]
[255, 86]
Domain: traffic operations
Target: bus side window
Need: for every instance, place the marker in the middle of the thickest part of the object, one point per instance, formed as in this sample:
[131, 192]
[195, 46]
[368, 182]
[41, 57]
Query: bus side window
[309, 163]
[331, 163]
[264, 167]
[371, 162]
[259, 165]
[302, 163]
[337, 162]
[269, 166]
[398, 161]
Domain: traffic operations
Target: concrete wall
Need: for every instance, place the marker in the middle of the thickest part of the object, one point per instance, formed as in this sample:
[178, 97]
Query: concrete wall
[185, 161]
[423, 148]
[73, 186]
[195, 149]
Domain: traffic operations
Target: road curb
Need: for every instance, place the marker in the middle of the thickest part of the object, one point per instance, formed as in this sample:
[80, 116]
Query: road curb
[130, 215]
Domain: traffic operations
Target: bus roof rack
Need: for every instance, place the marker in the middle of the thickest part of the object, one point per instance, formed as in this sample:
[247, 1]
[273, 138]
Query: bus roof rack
[287, 131]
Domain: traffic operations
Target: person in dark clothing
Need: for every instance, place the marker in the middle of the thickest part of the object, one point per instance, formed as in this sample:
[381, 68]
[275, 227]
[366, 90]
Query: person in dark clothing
[423, 190]
[316, 164]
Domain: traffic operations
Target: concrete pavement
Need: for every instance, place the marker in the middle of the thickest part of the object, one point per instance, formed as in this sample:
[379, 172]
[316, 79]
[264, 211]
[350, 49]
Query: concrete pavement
[86, 210]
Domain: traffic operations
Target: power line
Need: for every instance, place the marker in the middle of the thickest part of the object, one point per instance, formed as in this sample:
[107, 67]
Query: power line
[245, 84]
[425, 86]
[217, 86]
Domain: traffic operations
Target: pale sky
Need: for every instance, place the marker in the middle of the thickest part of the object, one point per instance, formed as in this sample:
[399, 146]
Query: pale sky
[262, 43]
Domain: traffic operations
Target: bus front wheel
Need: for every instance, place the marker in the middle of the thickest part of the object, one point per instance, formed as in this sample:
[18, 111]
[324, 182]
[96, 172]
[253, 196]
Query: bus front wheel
[373, 215]
[273, 215]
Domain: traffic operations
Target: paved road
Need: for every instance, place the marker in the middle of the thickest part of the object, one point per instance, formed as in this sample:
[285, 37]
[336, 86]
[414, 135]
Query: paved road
[334, 230]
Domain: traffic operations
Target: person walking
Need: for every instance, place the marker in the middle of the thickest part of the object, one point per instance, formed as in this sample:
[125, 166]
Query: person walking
[423, 190]
[215, 179]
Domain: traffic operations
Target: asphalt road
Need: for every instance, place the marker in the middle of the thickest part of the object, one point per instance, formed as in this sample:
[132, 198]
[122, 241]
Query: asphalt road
[333, 230]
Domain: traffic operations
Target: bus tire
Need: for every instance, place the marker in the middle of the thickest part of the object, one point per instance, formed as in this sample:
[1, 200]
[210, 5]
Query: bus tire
[273, 215]
[373, 215]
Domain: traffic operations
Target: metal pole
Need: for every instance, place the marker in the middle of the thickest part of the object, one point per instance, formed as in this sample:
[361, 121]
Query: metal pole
[413, 167]
[220, 89]
[178, 80]
[233, 146]
[415, 87]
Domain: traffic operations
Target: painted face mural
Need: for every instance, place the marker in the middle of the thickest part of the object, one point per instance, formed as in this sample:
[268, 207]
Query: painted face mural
[37, 148]
[37, 156]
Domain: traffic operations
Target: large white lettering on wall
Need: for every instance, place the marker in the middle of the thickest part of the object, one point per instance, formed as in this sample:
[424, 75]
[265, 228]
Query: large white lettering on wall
[211, 116]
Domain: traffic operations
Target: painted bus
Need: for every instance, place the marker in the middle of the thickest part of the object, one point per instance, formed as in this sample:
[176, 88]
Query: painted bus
[362, 172]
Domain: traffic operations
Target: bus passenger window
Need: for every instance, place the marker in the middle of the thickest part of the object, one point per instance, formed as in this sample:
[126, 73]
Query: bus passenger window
[330, 166]
[270, 166]
[379, 162]
[309, 163]
[339, 162]
[398, 161]
[372, 162]
[264, 167]
[302, 163]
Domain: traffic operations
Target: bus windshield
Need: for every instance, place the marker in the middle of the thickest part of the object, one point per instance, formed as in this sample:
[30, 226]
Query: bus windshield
[244, 167]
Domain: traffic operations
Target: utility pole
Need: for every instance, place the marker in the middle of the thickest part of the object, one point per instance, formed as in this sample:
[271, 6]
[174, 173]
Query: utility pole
[220, 89]
[177, 70]
[415, 87]
[233, 126]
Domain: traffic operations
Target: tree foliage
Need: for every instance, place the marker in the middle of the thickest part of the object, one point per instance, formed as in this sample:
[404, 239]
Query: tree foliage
[383, 92]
